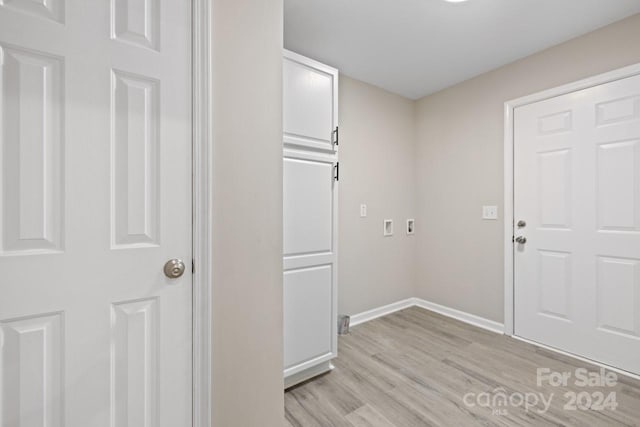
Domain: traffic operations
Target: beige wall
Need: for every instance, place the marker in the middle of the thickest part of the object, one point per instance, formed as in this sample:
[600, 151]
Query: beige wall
[460, 164]
[449, 145]
[376, 168]
[247, 227]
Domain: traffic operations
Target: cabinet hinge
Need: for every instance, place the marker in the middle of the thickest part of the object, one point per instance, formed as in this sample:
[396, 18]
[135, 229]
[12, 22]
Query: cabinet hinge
[335, 136]
[337, 168]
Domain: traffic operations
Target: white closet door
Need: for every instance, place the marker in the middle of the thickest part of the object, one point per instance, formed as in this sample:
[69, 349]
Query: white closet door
[310, 211]
[95, 197]
[310, 91]
[577, 187]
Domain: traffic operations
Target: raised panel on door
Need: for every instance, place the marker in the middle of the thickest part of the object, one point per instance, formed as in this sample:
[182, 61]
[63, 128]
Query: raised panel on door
[32, 371]
[308, 315]
[308, 206]
[618, 191]
[135, 153]
[309, 103]
[618, 301]
[31, 136]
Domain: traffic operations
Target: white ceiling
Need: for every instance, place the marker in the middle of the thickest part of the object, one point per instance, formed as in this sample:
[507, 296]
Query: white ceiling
[417, 47]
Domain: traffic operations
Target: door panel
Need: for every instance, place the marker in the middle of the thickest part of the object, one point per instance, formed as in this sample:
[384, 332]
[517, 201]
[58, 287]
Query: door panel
[617, 290]
[136, 22]
[554, 283]
[577, 186]
[308, 206]
[135, 157]
[309, 102]
[95, 196]
[308, 299]
[32, 166]
[134, 362]
[618, 197]
[32, 367]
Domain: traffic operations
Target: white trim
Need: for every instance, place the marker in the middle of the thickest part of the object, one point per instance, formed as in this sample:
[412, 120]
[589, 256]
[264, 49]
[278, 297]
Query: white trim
[582, 359]
[509, 107]
[508, 221]
[462, 316]
[307, 374]
[309, 364]
[368, 315]
[312, 63]
[202, 211]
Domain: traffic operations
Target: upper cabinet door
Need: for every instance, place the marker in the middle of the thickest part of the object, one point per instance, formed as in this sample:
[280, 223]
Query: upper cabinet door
[310, 91]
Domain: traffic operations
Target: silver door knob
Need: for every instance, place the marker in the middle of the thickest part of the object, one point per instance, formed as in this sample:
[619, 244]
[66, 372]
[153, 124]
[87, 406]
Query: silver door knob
[521, 239]
[521, 224]
[174, 268]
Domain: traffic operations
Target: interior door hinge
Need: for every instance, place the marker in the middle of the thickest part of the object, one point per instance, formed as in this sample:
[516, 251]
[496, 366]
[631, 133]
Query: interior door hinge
[337, 136]
[193, 267]
[337, 168]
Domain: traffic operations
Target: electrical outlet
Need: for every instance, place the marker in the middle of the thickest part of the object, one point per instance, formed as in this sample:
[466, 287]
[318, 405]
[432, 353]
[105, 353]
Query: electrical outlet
[490, 212]
[363, 211]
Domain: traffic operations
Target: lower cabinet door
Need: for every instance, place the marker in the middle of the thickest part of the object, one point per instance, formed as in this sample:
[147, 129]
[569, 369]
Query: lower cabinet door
[308, 317]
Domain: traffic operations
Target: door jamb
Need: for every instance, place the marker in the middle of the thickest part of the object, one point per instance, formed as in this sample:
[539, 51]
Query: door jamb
[509, 109]
[202, 211]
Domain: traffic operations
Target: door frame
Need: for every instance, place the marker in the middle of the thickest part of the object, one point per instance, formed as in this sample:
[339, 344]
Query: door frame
[509, 141]
[202, 211]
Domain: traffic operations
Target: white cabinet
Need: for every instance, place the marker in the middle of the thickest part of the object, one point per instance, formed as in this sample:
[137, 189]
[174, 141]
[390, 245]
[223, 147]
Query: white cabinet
[310, 172]
[308, 301]
[310, 103]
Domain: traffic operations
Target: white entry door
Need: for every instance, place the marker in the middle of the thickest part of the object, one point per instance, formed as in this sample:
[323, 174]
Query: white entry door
[577, 188]
[95, 197]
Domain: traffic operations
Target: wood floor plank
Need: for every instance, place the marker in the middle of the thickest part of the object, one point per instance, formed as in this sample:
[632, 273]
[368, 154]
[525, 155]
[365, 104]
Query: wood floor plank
[416, 368]
[368, 416]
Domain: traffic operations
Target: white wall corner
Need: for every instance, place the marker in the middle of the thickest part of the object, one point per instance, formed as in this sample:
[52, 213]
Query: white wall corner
[368, 315]
[462, 316]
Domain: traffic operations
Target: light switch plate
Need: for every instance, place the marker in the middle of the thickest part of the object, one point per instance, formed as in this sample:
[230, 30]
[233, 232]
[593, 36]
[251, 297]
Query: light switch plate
[363, 211]
[490, 212]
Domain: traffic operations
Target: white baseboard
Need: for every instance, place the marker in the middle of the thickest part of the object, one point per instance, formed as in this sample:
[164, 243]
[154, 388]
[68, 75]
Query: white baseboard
[307, 374]
[462, 316]
[365, 316]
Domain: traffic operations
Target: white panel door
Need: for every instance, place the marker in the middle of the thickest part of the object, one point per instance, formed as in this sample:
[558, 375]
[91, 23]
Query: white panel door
[577, 187]
[95, 196]
[310, 91]
[310, 256]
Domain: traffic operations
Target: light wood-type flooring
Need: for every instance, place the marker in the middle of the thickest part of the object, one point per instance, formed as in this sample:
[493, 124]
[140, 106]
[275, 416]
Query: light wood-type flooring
[418, 368]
